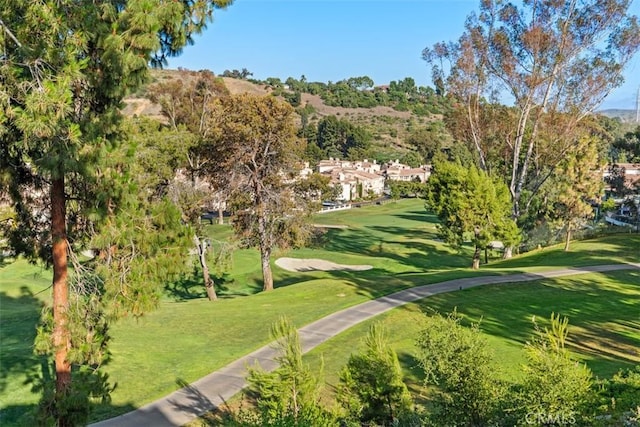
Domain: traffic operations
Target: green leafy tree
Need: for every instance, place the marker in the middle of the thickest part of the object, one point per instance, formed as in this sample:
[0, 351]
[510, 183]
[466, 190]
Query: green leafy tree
[237, 74]
[555, 385]
[341, 139]
[626, 149]
[194, 106]
[577, 187]
[360, 83]
[371, 387]
[65, 68]
[548, 58]
[258, 146]
[412, 159]
[315, 188]
[619, 398]
[399, 189]
[290, 394]
[456, 360]
[468, 202]
[428, 140]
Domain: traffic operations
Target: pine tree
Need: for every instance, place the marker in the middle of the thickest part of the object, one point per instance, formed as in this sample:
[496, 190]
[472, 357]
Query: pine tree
[65, 68]
[371, 387]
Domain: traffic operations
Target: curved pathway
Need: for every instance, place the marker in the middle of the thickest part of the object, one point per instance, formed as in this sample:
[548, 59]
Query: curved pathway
[212, 391]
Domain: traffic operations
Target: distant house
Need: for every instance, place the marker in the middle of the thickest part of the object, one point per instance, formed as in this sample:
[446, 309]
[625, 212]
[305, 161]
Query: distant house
[396, 171]
[365, 165]
[366, 184]
[631, 174]
[355, 179]
[326, 166]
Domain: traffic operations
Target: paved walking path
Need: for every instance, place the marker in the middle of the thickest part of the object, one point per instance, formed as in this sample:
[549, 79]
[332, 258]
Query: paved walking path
[213, 390]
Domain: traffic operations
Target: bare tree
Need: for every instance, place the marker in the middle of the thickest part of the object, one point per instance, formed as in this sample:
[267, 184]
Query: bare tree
[557, 61]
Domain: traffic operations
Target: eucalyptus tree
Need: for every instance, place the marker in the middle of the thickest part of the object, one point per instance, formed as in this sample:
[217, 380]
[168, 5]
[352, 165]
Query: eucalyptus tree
[259, 151]
[65, 67]
[550, 58]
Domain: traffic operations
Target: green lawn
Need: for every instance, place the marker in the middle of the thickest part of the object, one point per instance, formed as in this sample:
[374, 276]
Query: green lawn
[188, 337]
[23, 290]
[603, 311]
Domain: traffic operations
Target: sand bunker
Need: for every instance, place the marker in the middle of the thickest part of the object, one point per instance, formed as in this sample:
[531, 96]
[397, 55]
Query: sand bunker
[298, 264]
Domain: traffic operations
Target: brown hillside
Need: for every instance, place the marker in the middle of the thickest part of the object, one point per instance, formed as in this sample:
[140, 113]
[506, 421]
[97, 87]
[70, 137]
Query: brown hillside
[237, 86]
[139, 105]
[325, 110]
[387, 126]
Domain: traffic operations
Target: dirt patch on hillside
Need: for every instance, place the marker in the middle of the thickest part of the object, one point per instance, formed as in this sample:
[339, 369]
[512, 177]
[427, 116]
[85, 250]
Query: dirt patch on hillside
[142, 107]
[325, 110]
[237, 86]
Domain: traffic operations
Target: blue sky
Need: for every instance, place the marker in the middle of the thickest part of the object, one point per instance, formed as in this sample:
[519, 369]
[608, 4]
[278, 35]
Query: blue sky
[331, 40]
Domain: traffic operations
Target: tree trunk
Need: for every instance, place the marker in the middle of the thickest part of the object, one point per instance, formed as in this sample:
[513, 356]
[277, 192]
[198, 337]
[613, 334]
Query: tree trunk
[61, 339]
[476, 258]
[265, 252]
[508, 252]
[220, 214]
[209, 284]
[267, 276]
[567, 239]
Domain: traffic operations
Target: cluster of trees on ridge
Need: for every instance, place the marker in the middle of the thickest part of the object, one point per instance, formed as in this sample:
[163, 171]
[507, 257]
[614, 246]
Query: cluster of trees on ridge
[460, 384]
[360, 92]
[355, 92]
[78, 175]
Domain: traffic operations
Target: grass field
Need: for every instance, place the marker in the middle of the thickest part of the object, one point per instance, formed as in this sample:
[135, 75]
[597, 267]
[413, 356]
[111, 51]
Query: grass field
[603, 312]
[188, 337]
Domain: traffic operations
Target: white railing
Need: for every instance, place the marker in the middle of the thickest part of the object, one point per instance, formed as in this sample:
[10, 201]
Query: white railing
[617, 222]
[326, 209]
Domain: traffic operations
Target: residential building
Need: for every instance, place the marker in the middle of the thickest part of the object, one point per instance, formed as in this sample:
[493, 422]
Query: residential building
[396, 171]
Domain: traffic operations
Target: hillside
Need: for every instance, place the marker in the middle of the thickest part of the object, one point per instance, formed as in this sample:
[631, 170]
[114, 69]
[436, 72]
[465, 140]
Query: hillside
[388, 127]
[139, 105]
[625, 116]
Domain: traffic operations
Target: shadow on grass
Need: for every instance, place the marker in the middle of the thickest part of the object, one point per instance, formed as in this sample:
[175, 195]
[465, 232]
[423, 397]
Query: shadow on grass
[20, 316]
[423, 217]
[610, 251]
[227, 286]
[603, 315]
[417, 251]
[413, 373]
[192, 287]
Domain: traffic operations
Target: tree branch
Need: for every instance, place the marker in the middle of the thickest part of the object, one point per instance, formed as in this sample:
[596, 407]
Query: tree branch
[10, 34]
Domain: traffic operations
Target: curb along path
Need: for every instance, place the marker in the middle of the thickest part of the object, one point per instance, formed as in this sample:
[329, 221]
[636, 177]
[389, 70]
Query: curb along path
[212, 391]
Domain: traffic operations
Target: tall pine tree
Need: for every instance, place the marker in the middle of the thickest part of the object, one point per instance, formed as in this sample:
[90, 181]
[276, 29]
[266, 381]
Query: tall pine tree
[65, 67]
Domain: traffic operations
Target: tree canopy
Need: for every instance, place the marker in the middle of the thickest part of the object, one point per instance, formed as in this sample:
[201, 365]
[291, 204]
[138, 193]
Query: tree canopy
[258, 147]
[65, 68]
[470, 204]
[556, 60]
